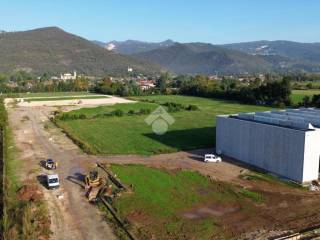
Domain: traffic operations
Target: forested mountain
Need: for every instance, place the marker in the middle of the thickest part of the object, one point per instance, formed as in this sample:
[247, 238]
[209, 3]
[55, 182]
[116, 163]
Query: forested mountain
[199, 58]
[133, 46]
[255, 57]
[294, 50]
[54, 50]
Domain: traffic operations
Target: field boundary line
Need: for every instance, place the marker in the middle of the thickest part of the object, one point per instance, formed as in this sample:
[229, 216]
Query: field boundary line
[122, 187]
[117, 218]
[3, 180]
[114, 179]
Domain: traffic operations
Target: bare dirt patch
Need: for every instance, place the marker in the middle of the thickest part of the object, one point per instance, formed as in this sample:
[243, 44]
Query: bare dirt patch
[81, 101]
[30, 192]
[214, 210]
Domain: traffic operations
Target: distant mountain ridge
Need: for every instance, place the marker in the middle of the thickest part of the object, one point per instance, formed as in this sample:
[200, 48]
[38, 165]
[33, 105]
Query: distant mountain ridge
[294, 50]
[205, 58]
[129, 47]
[199, 58]
[53, 50]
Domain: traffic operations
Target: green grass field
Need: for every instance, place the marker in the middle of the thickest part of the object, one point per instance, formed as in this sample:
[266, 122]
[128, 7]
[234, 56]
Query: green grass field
[162, 202]
[63, 98]
[131, 135]
[298, 95]
[90, 112]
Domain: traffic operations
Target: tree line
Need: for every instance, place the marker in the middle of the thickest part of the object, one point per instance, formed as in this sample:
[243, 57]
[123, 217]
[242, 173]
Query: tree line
[273, 90]
[275, 93]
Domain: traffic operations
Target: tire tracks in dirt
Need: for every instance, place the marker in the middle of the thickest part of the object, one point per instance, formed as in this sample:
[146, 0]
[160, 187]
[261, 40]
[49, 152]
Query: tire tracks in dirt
[72, 216]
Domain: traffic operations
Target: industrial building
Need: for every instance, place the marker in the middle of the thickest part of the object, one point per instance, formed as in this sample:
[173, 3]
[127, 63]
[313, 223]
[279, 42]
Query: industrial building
[285, 142]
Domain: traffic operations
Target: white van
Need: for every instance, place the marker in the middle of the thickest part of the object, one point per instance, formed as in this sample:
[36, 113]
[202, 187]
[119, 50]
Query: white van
[212, 158]
[53, 181]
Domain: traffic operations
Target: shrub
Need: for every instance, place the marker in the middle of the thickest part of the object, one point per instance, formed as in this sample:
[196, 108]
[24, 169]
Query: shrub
[99, 115]
[144, 111]
[131, 112]
[192, 107]
[82, 116]
[118, 113]
[56, 112]
[172, 108]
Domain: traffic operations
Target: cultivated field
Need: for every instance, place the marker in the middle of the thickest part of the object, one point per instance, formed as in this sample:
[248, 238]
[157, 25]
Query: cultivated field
[130, 134]
[298, 95]
[181, 204]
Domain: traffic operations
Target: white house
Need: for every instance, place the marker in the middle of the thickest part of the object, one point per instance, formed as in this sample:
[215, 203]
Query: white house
[68, 76]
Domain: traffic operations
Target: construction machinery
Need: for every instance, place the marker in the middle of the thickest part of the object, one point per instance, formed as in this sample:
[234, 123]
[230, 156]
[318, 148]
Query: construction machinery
[92, 179]
[96, 186]
[50, 164]
[93, 185]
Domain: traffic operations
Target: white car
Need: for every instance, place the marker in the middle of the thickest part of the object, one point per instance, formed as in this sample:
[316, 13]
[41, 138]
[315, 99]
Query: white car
[212, 158]
[53, 181]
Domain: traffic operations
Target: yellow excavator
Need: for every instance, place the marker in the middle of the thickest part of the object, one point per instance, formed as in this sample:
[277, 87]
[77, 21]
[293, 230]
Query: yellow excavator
[95, 186]
[92, 179]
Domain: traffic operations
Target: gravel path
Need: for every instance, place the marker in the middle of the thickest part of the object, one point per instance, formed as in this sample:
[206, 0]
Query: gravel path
[71, 215]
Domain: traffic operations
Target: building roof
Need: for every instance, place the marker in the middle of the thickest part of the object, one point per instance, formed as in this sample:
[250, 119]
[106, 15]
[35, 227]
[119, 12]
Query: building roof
[304, 119]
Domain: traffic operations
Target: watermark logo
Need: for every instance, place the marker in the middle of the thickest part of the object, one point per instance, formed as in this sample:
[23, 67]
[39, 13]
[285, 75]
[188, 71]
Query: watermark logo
[160, 120]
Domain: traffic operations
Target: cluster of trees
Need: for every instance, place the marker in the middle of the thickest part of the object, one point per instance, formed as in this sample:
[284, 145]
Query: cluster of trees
[275, 92]
[3, 114]
[114, 113]
[21, 81]
[107, 86]
[313, 101]
[305, 77]
[256, 92]
[173, 106]
[272, 93]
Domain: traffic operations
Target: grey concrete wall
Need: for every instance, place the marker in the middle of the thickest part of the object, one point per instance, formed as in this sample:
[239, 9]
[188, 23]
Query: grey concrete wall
[311, 156]
[276, 149]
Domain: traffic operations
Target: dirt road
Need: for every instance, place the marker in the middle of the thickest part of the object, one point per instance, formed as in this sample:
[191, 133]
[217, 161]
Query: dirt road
[71, 215]
[192, 160]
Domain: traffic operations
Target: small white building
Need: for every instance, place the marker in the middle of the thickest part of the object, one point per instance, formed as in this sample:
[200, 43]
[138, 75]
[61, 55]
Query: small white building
[285, 142]
[146, 85]
[68, 76]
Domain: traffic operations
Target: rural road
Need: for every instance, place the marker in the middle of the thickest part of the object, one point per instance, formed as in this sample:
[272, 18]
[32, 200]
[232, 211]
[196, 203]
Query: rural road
[71, 215]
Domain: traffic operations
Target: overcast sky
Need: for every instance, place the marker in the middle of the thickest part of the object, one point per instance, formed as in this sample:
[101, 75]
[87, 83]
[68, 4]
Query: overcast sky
[223, 21]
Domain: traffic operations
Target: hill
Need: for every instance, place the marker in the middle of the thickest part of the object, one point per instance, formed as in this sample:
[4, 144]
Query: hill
[201, 58]
[133, 46]
[54, 50]
[293, 50]
[99, 43]
[238, 58]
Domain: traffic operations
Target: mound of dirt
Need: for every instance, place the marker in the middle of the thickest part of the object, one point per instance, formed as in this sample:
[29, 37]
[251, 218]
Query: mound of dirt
[30, 192]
